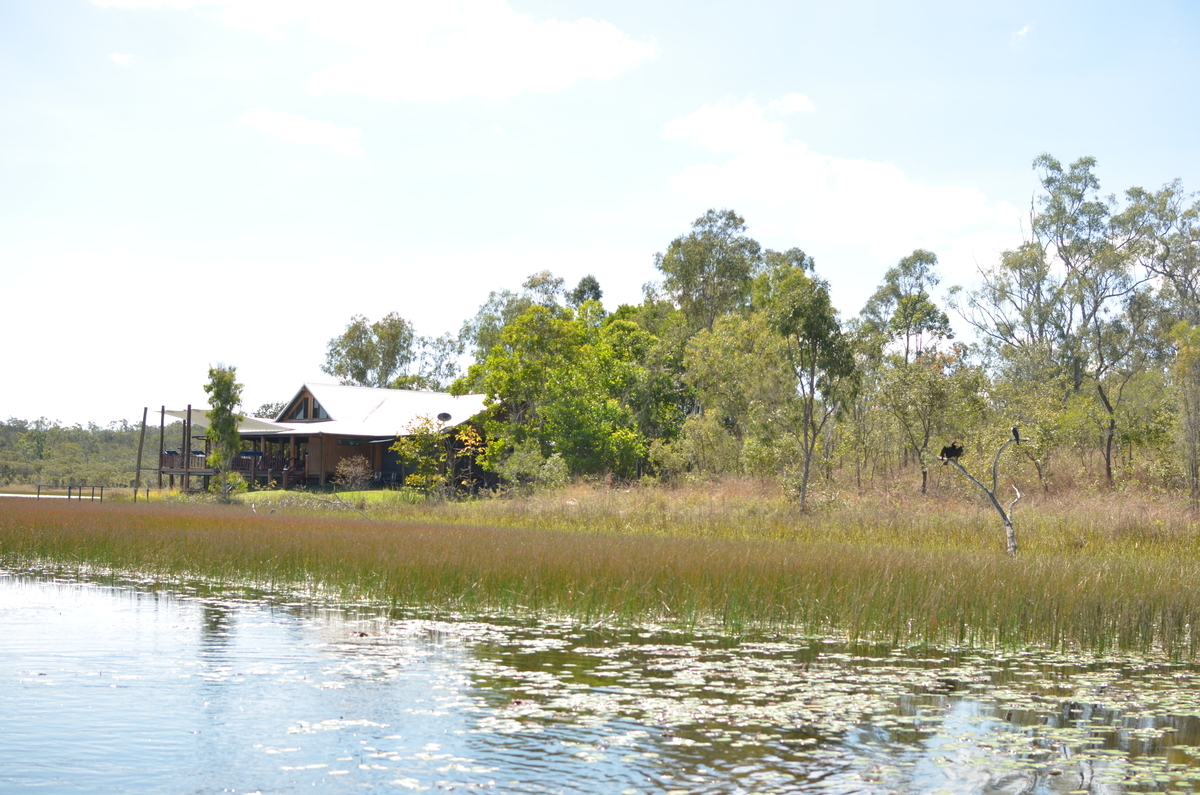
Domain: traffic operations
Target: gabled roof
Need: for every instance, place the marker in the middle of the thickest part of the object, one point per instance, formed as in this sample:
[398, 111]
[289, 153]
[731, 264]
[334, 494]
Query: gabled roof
[382, 412]
[363, 411]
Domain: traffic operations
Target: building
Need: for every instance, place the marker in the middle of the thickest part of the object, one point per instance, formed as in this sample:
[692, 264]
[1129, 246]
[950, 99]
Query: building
[322, 425]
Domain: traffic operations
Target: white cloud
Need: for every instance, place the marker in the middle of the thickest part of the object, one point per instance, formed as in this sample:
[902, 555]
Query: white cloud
[342, 140]
[1018, 37]
[722, 128]
[121, 58]
[784, 187]
[793, 103]
[435, 51]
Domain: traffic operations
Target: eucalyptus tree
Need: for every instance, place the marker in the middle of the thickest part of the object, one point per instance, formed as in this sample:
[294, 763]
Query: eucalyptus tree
[796, 304]
[1187, 377]
[935, 395]
[1047, 303]
[901, 311]
[710, 271]
[371, 354]
[482, 333]
[746, 390]
[388, 353]
[1170, 244]
[1067, 307]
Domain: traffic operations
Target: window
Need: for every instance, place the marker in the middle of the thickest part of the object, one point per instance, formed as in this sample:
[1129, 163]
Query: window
[350, 442]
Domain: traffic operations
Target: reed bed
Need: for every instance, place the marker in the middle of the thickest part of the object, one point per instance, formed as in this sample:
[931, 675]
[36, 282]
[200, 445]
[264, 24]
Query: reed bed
[1092, 576]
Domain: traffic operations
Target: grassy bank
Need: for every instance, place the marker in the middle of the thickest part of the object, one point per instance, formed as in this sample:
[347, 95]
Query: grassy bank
[1106, 572]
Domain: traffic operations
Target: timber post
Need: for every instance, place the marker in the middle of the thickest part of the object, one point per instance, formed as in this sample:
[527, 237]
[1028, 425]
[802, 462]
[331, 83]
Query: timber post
[187, 449]
[162, 437]
[137, 472]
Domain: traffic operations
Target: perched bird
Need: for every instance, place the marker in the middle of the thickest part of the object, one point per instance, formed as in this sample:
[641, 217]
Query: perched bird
[951, 452]
[1016, 436]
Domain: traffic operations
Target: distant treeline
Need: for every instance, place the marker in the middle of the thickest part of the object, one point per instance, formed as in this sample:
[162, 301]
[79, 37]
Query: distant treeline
[52, 454]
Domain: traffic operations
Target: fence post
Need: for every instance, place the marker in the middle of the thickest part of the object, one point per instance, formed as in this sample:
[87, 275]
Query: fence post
[39, 493]
[68, 492]
[101, 494]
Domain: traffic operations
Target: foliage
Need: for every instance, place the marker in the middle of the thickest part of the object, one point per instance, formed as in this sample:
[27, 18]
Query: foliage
[51, 454]
[438, 460]
[371, 354]
[798, 307]
[388, 353]
[901, 311]
[224, 398]
[563, 380]
[588, 289]
[709, 272]
[269, 411]
[934, 397]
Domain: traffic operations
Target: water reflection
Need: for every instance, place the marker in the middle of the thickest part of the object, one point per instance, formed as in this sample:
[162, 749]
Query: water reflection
[111, 689]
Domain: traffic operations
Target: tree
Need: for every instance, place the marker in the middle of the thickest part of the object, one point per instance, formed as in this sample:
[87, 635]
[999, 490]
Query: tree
[1187, 369]
[741, 374]
[544, 288]
[371, 354]
[925, 395]
[901, 310]
[483, 332]
[797, 306]
[431, 454]
[710, 271]
[563, 380]
[1169, 244]
[224, 398]
[269, 411]
[1066, 305]
[437, 364]
[389, 354]
[588, 289]
[1010, 534]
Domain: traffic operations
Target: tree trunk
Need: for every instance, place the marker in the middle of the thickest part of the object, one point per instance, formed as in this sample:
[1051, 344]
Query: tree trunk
[1109, 434]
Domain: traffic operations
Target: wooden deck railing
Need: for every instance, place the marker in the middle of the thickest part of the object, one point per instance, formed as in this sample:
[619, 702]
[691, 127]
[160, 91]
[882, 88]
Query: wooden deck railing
[262, 463]
[175, 461]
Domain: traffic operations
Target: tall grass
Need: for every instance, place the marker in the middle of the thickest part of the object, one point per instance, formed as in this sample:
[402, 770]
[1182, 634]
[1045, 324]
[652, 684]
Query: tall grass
[1099, 575]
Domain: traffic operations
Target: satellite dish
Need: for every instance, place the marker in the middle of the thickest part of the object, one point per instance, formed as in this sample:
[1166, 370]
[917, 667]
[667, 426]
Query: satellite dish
[443, 417]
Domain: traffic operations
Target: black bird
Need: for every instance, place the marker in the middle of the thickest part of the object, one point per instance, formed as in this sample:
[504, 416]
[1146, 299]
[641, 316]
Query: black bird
[1016, 436]
[951, 452]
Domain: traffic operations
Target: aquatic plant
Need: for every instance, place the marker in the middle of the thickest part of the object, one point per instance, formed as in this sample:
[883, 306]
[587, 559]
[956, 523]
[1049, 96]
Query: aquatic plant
[907, 577]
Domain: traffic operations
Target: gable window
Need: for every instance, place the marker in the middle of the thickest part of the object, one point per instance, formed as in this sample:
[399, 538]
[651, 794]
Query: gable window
[318, 411]
[301, 410]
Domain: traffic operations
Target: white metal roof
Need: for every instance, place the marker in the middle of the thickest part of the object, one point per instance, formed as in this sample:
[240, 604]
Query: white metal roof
[363, 411]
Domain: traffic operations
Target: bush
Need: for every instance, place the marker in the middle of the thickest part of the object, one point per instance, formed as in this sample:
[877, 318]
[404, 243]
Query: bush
[354, 474]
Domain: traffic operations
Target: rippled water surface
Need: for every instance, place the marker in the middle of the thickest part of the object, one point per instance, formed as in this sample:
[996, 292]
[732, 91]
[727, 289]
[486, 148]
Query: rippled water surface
[128, 690]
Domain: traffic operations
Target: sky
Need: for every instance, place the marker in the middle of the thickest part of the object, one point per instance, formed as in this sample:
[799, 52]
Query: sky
[191, 182]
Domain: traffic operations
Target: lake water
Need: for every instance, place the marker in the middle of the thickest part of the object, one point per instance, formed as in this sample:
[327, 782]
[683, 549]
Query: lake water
[132, 689]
